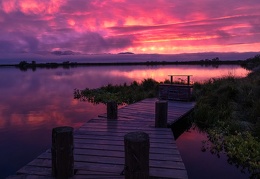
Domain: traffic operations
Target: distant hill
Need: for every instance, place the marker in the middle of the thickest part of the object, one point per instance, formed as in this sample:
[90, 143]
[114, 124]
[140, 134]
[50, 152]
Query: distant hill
[126, 53]
[67, 52]
[72, 56]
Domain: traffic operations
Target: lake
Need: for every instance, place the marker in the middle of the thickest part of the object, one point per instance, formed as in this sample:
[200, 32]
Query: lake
[34, 102]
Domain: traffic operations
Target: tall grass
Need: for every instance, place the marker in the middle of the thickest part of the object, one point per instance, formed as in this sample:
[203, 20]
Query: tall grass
[228, 109]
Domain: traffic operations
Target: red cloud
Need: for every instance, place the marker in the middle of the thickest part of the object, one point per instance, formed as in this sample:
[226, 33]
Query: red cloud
[159, 26]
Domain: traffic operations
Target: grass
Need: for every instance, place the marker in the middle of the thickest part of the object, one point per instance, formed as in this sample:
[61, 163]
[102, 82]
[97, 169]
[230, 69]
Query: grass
[229, 110]
[122, 94]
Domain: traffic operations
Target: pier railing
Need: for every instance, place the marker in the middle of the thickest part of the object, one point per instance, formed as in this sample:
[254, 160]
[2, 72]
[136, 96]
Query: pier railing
[180, 91]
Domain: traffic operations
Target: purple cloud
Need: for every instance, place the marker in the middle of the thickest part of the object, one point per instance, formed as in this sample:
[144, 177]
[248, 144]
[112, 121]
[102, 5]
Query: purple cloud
[141, 26]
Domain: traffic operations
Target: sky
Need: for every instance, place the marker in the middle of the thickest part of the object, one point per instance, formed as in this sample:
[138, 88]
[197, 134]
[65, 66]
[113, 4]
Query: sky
[138, 26]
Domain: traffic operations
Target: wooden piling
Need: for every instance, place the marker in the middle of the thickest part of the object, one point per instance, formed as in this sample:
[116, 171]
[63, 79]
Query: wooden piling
[62, 152]
[171, 79]
[112, 110]
[161, 114]
[137, 145]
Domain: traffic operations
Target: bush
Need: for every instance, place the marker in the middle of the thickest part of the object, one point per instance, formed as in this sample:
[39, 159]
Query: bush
[122, 94]
[229, 110]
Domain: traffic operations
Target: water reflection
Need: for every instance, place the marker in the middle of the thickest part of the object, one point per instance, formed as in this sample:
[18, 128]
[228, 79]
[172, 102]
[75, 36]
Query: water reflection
[204, 164]
[32, 103]
[160, 73]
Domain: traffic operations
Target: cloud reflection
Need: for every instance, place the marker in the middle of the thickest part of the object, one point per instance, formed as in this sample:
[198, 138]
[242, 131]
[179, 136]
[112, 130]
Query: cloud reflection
[47, 95]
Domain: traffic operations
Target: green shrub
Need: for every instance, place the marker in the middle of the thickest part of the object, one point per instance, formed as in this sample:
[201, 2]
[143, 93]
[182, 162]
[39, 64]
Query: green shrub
[226, 106]
[122, 94]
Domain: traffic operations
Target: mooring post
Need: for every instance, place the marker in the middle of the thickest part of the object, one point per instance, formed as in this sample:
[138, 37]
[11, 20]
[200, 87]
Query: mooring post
[112, 110]
[161, 114]
[62, 152]
[171, 79]
[137, 145]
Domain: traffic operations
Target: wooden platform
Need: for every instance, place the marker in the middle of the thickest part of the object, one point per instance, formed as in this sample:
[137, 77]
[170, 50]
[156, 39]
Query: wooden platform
[99, 145]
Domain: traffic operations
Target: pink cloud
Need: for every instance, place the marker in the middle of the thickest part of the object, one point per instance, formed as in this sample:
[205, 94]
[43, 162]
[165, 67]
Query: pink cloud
[98, 26]
[31, 6]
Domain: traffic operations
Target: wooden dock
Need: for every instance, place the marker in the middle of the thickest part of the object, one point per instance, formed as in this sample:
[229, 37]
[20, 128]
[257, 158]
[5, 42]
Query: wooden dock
[99, 145]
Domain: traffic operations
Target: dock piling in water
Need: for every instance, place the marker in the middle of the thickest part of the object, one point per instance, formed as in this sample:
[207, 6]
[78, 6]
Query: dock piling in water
[62, 152]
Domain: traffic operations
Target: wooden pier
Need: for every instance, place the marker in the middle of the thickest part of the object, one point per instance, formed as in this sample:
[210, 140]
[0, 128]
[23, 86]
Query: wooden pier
[99, 145]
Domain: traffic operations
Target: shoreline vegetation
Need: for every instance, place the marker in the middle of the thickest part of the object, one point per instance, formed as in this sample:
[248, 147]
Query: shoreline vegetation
[227, 108]
[121, 94]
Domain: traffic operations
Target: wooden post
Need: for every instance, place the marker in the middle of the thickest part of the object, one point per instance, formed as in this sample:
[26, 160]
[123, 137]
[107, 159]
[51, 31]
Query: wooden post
[171, 79]
[112, 110]
[161, 114]
[188, 81]
[137, 145]
[62, 152]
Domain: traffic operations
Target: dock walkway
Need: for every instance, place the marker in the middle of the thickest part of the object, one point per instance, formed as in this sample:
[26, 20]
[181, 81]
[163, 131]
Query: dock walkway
[99, 145]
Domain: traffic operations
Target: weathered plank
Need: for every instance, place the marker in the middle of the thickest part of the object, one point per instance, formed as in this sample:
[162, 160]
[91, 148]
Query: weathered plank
[144, 110]
[109, 153]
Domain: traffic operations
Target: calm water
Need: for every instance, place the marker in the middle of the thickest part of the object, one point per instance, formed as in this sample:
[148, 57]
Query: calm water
[32, 103]
[204, 164]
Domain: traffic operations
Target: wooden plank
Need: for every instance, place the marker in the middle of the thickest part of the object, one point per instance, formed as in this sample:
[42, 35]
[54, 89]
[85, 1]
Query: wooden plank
[120, 143]
[25, 176]
[119, 138]
[100, 132]
[99, 176]
[157, 150]
[33, 170]
[94, 152]
[145, 109]
[124, 130]
[99, 145]
[86, 162]
[115, 165]
[165, 173]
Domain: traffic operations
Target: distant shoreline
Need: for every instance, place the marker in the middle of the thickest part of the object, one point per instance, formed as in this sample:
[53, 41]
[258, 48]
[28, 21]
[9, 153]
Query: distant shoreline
[67, 64]
[104, 59]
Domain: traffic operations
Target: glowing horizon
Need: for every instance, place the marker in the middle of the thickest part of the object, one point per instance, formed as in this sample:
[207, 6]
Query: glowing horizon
[159, 26]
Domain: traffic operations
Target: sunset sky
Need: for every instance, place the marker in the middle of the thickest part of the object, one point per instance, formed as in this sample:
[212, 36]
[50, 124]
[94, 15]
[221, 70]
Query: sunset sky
[139, 26]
